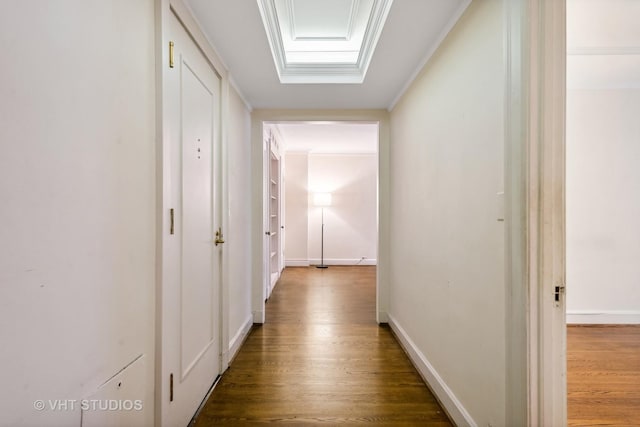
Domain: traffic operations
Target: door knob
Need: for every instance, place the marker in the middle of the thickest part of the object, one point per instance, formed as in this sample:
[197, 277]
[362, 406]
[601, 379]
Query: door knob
[268, 233]
[219, 237]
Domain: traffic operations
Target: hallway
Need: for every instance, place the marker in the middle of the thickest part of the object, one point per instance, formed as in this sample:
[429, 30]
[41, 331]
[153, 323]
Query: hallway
[321, 358]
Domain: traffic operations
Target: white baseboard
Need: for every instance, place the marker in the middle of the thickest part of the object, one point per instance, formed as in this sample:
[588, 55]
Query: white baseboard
[236, 342]
[344, 261]
[258, 317]
[448, 400]
[383, 317]
[296, 263]
[605, 317]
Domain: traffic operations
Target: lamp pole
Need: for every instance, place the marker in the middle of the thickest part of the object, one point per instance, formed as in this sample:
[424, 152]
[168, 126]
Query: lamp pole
[322, 243]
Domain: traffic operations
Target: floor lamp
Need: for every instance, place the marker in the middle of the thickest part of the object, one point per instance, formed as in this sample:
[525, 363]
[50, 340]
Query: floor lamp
[322, 200]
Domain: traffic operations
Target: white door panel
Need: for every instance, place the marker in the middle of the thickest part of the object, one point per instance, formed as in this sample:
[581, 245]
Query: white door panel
[197, 297]
[190, 355]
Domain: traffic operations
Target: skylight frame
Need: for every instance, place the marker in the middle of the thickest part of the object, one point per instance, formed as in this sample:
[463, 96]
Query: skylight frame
[323, 72]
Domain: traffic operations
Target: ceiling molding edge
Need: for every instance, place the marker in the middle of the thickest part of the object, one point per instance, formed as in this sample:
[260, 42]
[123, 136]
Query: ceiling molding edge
[441, 37]
[272, 29]
[380, 12]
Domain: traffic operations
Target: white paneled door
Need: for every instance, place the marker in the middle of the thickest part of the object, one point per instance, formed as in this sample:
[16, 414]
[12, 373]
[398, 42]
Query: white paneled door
[191, 258]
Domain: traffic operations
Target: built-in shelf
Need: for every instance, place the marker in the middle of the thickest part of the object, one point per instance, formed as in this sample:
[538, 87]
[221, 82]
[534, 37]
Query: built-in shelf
[273, 217]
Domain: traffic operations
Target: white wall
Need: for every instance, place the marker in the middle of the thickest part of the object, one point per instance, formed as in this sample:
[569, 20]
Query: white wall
[77, 225]
[296, 184]
[239, 230]
[447, 291]
[603, 206]
[350, 231]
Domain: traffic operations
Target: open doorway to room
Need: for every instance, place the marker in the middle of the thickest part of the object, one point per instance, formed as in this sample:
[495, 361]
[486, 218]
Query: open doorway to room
[603, 212]
[321, 185]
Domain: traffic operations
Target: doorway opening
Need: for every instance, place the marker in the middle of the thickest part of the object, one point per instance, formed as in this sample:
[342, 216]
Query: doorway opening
[320, 192]
[603, 207]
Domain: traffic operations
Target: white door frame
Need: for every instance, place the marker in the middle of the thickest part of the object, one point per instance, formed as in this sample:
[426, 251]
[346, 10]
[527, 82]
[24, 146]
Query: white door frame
[535, 185]
[268, 138]
[257, 161]
[163, 11]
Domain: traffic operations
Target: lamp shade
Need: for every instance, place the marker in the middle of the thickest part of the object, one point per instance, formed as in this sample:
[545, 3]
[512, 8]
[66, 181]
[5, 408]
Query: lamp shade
[322, 199]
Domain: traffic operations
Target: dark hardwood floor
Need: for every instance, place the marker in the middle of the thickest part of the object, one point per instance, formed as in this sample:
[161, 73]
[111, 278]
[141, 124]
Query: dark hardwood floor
[321, 358]
[603, 375]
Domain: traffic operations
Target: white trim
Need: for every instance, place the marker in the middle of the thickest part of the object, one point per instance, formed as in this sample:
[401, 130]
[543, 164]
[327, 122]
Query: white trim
[443, 34]
[258, 316]
[296, 263]
[454, 408]
[238, 339]
[349, 154]
[344, 261]
[515, 108]
[329, 153]
[604, 50]
[544, 83]
[603, 317]
[223, 221]
[383, 317]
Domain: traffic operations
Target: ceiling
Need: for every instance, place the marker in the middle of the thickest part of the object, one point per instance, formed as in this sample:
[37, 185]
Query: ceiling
[329, 137]
[413, 30]
[603, 44]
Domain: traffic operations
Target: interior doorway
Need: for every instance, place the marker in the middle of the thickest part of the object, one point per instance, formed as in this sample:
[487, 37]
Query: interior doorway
[321, 195]
[603, 207]
[297, 211]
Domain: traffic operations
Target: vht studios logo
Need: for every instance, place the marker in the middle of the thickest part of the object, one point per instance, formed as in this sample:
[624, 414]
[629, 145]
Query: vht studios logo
[88, 405]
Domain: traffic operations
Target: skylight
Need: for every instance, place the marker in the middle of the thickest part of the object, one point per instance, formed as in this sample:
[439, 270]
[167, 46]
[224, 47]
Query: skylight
[323, 41]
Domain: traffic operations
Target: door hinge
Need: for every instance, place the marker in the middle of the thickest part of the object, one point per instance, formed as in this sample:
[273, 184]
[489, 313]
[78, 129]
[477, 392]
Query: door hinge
[171, 220]
[170, 54]
[558, 291]
[171, 388]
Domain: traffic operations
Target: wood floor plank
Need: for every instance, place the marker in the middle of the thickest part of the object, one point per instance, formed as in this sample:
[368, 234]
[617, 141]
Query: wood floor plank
[603, 375]
[321, 358]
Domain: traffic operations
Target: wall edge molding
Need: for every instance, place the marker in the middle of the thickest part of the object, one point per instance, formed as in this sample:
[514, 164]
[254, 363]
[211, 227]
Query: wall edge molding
[343, 261]
[296, 263]
[443, 393]
[238, 339]
[603, 317]
[383, 317]
[258, 316]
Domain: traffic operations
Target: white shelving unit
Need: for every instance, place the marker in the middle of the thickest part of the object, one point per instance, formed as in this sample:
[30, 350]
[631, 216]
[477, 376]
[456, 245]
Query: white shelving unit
[274, 214]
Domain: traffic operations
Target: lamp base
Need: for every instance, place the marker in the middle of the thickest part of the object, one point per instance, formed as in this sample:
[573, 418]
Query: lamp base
[322, 266]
